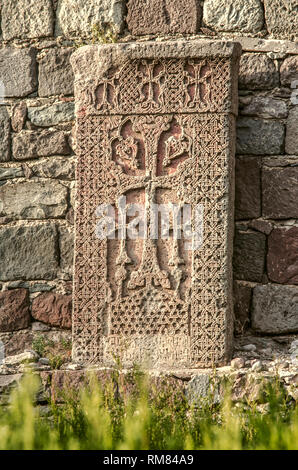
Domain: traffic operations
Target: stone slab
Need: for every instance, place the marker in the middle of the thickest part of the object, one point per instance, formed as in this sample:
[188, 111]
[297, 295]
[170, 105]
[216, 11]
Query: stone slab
[52, 309]
[14, 310]
[27, 145]
[249, 255]
[28, 252]
[247, 188]
[46, 116]
[25, 19]
[234, 15]
[167, 17]
[155, 121]
[18, 71]
[275, 309]
[77, 18]
[55, 76]
[292, 132]
[282, 260]
[281, 18]
[33, 200]
[280, 192]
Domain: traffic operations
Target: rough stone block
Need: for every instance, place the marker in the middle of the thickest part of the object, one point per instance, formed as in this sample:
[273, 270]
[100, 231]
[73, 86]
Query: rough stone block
[280, 192]
[66, 244]
[26, 19]
[274, 309]
[257, 72]
[46, 116]
[249, 256]
[18, 116]
[292, 132]
[281, 18]
[169, 16]
[11, 172]
[156, 123]
[33, 200]
[265, 107]
[28, 252]
[62, 168]
[247, 188]
[4, 135]
[32, 144]
[260, 136]
[242, 302]
[282, 260]
[14, 310]
[55, 73]
[234, 15]
[77, 18]
[18, 71]
[53, 309]
[289, 71]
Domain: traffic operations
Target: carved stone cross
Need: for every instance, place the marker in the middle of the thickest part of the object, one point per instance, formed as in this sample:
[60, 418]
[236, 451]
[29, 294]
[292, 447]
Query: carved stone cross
[155, 123]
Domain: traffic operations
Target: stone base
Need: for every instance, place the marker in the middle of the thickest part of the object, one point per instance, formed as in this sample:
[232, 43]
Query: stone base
[257, 362]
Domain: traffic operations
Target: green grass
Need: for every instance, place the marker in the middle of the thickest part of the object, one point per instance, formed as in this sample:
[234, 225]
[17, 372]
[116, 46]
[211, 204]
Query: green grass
[128, 414]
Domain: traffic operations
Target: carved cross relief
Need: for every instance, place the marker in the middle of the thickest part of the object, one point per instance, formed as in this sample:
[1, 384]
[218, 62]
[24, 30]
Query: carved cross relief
[157, 131]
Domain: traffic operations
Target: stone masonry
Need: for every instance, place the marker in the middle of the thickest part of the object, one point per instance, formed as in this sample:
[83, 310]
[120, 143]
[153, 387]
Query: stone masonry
[37, 148]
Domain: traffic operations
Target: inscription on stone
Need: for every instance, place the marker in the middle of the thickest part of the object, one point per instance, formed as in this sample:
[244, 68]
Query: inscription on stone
[155, 127]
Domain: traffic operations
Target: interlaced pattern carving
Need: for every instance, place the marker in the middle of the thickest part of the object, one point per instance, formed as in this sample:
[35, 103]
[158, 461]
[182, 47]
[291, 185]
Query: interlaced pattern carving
[143, 299]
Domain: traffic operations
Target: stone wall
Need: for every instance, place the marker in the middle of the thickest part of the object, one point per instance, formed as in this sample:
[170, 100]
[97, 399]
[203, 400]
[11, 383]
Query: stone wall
[37, 163]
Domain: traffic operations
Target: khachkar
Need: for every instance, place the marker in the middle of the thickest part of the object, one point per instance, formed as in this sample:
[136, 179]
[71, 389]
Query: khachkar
[155, 126]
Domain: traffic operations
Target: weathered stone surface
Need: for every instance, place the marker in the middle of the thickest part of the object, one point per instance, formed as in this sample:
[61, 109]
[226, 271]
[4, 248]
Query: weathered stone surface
[14, 310]
[55, 73]
[17, 341]
[18, 71]
[281, 17]
[26, 19]
[234, 15]
[18, 118]
[4, 134]
[276, 46]
[282, 260]
[78, 18]
[261, 225]
[170, 16]
[32, 144]
[260, 136]
[248, 188]
[257, 71]
[203, 388]
[280, 192]
[242, 301]
[265, 107]
[169, 124]
[53, 309]
[249, 256]
[292, 132]
[11, 172]
[28, 252]
[55, 167]
[238, 363]
[33, 200]
[274, 309]
[66, 244]
[289, 71]
[26, 356]
[46, 116]
[7, 382]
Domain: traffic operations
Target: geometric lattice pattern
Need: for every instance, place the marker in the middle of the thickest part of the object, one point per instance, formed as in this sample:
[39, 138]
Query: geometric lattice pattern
[155, 122]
